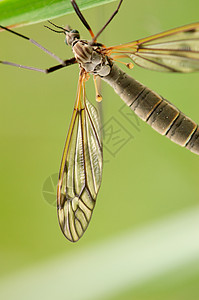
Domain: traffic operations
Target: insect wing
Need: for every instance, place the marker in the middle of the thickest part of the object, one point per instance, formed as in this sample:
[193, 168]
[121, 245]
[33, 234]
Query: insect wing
[81, 169]
[175, 50]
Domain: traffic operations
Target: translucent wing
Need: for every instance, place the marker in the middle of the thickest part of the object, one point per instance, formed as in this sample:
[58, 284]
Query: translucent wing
[176, 50]
[81, 168]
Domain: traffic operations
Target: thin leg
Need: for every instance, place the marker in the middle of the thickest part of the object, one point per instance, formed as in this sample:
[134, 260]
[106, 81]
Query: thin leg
[78, 12]
[111, 18]
[67, 63]
[34, 43]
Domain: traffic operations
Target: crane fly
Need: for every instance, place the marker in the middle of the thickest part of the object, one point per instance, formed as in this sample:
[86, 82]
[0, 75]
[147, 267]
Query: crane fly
[175, 50]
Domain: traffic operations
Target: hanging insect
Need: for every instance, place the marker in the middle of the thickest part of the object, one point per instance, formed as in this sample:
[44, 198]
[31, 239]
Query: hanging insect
[176, 50]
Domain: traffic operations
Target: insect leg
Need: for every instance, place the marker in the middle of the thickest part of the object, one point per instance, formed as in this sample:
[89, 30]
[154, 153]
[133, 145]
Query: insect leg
[110, 19]
[34, 43]
[66, 63]
[78, 12]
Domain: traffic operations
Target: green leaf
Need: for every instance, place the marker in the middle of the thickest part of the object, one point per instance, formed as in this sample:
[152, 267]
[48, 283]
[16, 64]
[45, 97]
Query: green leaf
[22, 12]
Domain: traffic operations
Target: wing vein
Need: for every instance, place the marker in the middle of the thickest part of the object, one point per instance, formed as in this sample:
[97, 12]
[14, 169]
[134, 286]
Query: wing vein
[155, 62]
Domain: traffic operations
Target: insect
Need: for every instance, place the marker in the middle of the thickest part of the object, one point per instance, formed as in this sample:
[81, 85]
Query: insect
[176, 50]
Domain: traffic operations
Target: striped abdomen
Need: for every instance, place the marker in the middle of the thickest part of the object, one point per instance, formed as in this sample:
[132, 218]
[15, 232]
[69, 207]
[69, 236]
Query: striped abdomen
[163, 116]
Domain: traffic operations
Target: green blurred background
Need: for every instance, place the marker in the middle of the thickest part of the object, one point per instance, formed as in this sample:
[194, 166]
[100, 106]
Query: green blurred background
[149, 194]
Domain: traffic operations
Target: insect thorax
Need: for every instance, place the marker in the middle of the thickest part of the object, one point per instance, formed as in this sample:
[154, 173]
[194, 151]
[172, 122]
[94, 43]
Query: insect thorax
[90, 58]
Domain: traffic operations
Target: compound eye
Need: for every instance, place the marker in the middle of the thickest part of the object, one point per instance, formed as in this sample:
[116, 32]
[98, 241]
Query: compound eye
[74, 31]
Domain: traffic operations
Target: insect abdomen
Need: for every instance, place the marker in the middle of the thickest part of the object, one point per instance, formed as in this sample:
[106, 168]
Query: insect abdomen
[163, 116]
